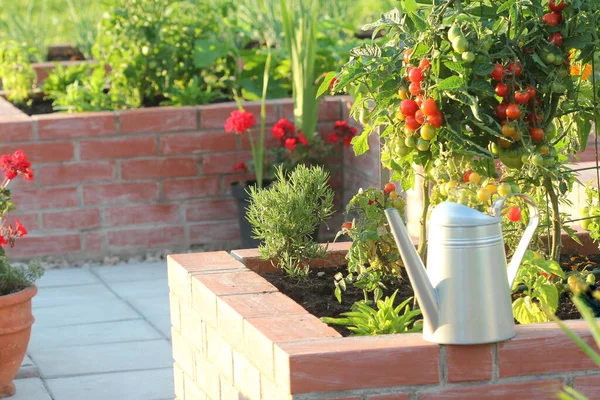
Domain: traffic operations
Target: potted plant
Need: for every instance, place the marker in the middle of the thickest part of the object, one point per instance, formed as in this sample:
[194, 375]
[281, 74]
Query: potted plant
[17, 285]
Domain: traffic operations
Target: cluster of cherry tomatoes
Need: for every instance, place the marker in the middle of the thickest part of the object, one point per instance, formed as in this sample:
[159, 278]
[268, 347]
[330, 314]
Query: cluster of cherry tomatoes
[421, 119]
[554, 17]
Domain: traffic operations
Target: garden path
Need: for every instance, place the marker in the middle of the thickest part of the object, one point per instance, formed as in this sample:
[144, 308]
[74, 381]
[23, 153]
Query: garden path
[101, 333]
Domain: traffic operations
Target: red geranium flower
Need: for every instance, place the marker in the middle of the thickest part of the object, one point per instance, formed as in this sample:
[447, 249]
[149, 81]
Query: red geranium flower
[3, 241]
[333, 137]
[15, 164]
[241, 166]
[302, 139]
[20, 230]
[240, 121]
[283, 128]
[342, 131]
[291, 143]
[347, 141]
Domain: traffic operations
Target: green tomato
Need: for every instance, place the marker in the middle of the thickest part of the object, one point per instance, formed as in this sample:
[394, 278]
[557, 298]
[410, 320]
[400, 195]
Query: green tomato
[585, 212]
[548, 162]
[460, 44]
[454, 32]
[422, 145]
[538, 160]
[558, 59]
[486, 44]
[494, 148]
[468, 56]
[585, 224]
[548, 58]
[558, 87]
[550, 131]
[410, 142]
[514, 188]
[590, 279]
[524, 158]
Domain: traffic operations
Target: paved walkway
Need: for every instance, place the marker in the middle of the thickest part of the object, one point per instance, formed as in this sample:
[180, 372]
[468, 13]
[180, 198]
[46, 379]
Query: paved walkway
[100, 334]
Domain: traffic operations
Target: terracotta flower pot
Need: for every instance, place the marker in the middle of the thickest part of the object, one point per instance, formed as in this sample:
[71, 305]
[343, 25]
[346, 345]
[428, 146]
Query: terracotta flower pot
[15, 329]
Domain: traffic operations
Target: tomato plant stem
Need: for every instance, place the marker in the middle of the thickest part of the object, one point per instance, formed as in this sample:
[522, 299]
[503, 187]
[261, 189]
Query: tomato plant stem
[422, 249]
[556, 230]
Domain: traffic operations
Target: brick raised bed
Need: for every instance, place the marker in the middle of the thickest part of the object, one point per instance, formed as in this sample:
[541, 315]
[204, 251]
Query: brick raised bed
[235, 336]
[128, 181]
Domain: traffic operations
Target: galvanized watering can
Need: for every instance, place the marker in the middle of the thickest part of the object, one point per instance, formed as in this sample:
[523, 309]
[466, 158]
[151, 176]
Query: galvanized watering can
[465, 292]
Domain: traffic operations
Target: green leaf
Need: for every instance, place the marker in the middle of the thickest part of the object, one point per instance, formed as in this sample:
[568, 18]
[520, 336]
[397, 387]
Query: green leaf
[584, 127]
[577, 42]
[483, 69]
[456, 66]
[360, 143]
[409, 5]
[547, 294]
[420, 24]
[207, 52]
[527, 312]
[451, 83]
[325, 84]
[368, 50]
[505, 6]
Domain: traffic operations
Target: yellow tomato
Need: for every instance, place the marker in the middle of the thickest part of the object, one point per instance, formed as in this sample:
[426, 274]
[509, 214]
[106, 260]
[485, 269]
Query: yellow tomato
[504, 189]
[484, 195]
[393, 195]
[474, 178]
[491, 188]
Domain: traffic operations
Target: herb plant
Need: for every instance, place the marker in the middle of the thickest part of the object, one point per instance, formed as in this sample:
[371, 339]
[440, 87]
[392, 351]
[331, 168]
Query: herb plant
[365, 320]
[17, 75]
[286, 215]
[538, 279]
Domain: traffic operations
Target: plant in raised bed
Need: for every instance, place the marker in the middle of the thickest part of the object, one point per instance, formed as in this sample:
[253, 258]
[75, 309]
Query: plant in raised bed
[286, 215]
[363, 319]
[16, 284]
[373, 259]
[17, 75]
[479, 81]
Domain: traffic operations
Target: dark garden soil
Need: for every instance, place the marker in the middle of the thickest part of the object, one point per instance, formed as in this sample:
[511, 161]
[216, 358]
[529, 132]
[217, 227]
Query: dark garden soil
[316, 294]
[37, 106]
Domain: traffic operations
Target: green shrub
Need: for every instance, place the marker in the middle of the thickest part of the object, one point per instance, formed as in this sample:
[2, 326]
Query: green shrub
[16, 72]
[286, 216]
[14, 279]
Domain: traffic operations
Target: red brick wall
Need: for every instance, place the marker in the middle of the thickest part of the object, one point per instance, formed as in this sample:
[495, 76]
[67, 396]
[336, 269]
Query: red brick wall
[125, 182]
[235, 336]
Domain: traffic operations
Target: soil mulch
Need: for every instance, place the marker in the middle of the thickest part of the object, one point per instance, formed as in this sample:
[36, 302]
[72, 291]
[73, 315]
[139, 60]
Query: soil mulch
[37, 106]
[316, 293]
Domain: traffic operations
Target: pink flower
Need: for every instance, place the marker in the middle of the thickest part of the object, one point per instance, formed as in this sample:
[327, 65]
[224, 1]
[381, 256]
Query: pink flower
[283, 128]
[240, 121]
[291, 143]
[241, 166]
[302, 139]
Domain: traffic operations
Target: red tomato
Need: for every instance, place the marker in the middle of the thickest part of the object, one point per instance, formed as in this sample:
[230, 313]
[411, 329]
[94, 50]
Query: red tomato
[552, 18]
[414, 88]
[501, 111]
[522, 97]
[437, 120]
[514, 214]
[501, 89]
[537, 134]
[534, 119]
[513, 111]
[409, 107]
[407, 54]
[531, 90]
[557, 6]
[515, 68]
[467, 175]
[420, 117]
[347, 225]
[429, 108]
[415, 75]
[556, 39]
[424, 64]
[412, 124]
[389, 187]
[498, 73]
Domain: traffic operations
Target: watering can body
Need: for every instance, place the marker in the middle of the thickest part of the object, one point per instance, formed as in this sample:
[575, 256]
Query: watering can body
[465, 292]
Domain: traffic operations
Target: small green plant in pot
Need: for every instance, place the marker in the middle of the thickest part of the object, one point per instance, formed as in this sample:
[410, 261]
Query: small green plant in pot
[16, 284]
[286, 215]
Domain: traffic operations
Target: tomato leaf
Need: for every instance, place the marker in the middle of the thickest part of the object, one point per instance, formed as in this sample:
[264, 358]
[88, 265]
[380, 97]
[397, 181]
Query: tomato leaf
[456, 66]
[325, 84]
[451, 83]
[360, 143]
[483, 69]
[505, 6]
[368, 50]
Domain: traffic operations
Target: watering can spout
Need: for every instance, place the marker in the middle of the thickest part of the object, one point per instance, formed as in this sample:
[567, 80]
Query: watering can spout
[426, 294]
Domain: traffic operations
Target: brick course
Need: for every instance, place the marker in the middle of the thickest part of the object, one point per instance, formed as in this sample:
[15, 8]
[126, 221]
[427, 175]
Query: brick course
[255, 343]
[121, 173]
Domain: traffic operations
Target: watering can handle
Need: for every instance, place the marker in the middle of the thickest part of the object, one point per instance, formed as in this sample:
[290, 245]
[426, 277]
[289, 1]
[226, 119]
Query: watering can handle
[534, 219]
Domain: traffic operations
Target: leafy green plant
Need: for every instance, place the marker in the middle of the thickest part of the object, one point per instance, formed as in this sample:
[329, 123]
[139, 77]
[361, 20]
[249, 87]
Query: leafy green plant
[459, 64]
[365, 320]
[62, 76]
[16, 72]
[87, 94]
[190, 93]
[536, 281]
[373, 257]
[569, 393]
[286, 215]
[14, 279]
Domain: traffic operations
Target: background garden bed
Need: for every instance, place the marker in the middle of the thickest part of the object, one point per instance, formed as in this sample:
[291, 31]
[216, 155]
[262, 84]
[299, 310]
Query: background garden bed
[235, 334]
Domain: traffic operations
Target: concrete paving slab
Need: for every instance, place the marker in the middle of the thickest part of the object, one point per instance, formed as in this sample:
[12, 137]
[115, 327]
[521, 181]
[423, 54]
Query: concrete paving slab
[28, 369]
[151, 306]
[30, 389]
[77, 314]
[67, 277]
[58, 296]
[90, 334]
[162, 323]
[136, 385]
[141, 289]
[103, 358]
[132, 272]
